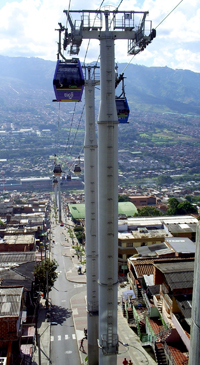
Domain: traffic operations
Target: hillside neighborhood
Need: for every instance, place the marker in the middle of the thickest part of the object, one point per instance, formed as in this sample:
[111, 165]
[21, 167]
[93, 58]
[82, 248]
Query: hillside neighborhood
[155, 267]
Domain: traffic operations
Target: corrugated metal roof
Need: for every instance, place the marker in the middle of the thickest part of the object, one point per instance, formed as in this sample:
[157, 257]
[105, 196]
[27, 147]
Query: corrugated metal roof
[151, 250]
[183, 219]
[185, 304]
[180, 280]
[181, 244]
[19, 239]
[175, 266]
[10, 301]
[180, 228]
[12, 258]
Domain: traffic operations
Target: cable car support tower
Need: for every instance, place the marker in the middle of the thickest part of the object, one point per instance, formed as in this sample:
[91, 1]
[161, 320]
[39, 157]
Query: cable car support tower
[108, 26]
[91, 213]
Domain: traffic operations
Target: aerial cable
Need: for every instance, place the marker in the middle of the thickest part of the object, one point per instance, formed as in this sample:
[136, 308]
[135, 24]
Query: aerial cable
[89, 39]
[57, 142]
[111, 22]
[70, 128]
[68, 13]
[155, 28]
[77, 129]
[169, 14]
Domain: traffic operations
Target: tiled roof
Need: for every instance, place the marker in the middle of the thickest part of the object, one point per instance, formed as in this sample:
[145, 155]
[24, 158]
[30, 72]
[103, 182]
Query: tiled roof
[156, 325]
[177, 355]
[144, 267]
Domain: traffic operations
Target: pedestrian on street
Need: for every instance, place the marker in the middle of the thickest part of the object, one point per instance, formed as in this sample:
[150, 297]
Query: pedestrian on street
[125, 362]
[85, 332]
[130, 362]
[81, 345]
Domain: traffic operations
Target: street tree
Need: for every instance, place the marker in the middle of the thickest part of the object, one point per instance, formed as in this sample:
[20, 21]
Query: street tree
[43, 270]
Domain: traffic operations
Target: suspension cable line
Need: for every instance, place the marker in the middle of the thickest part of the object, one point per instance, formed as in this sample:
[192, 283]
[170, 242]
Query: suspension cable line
[58, 136]
[155, 28]
[77, 128]
[70, 128]
[89, 39]
[169, 14]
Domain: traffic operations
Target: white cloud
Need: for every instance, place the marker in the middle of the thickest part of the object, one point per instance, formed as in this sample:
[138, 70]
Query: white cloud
[27, 28]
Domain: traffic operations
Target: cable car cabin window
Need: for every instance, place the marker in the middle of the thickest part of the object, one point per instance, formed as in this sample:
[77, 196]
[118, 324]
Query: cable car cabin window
[68, 81]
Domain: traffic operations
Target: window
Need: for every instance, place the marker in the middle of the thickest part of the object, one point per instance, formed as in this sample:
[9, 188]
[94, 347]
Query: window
[129, 244]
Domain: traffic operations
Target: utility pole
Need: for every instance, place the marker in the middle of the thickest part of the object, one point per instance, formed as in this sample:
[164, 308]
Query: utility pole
[91, 216]
[116, 25]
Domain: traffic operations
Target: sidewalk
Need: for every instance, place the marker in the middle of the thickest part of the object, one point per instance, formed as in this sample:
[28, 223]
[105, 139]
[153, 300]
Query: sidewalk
[129, 343]
[43, 338]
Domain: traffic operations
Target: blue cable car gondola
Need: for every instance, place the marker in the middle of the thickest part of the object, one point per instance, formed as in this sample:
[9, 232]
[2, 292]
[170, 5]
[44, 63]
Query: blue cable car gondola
[68, 80]
[121, 101]
[122, 109]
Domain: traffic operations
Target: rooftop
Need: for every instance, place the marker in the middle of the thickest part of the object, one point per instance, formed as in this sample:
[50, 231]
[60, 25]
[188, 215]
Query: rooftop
[10, 301]
[181, 244]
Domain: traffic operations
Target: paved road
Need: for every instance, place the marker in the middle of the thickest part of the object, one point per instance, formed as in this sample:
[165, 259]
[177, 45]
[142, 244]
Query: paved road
[63, 337]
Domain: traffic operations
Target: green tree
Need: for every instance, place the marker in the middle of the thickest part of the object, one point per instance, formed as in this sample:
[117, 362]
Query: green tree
[41, 270]
[172, 206]
[123, 198]
[1, 223]
[148, 212]
[186, 208]
[183, 208]
[164, 179]
[189, 198]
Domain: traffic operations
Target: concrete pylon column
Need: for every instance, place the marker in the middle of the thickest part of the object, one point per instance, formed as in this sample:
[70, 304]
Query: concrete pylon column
[194, 353]
[56, 196]
[91, 222]
[108, 206]
[59, 199]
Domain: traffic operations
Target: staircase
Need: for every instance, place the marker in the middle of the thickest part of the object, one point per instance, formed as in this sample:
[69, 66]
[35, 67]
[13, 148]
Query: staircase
[130, 315]
[159, 305]
[160, 354]
[142, 326]
[123, 309]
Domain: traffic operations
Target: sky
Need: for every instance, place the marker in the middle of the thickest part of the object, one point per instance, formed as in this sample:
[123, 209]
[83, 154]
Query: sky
[27, 29]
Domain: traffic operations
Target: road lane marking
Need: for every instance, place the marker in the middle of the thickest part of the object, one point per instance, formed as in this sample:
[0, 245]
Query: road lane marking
[66, 337]
[74, 336]
[59, 338]
[78, 285]
[52, 338]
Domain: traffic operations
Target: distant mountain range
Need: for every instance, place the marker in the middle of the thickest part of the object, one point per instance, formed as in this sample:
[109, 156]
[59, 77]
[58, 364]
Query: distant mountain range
[153, 89]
